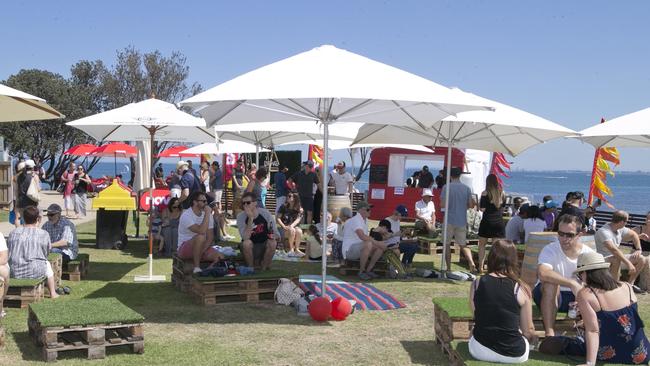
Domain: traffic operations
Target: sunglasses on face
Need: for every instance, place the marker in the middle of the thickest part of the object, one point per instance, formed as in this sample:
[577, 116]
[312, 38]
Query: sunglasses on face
[562, 234]
[246, 203]
[204, 201]
[51, 214]
[175, 207]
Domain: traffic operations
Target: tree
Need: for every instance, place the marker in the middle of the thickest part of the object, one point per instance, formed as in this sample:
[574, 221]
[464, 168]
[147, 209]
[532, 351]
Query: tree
[364, 153]
[45, 141]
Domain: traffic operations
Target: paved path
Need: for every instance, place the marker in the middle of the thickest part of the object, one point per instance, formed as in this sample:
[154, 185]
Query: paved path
[47, 198]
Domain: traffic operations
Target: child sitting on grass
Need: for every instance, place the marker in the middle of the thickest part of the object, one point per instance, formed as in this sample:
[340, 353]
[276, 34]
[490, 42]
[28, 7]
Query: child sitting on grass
[314, 244]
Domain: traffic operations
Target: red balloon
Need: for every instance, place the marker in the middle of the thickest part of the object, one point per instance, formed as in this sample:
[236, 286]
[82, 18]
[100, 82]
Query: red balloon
[320, 309]
[341, 308]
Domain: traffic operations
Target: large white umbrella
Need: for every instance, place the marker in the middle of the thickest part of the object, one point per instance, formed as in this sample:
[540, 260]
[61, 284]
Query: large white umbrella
[508, 130]
[149, 120]
[328, 85]
[630, 130]
[16, 105]
[223, 147]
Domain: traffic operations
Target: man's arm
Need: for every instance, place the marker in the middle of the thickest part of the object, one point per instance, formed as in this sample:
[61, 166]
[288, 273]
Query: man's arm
[203, 227]
[4, 257]
[631, 235]
[616, 252]
[66, 239]
[547, 274]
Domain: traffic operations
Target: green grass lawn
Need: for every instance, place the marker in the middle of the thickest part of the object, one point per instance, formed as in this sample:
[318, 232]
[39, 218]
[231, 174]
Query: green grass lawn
[177, 331]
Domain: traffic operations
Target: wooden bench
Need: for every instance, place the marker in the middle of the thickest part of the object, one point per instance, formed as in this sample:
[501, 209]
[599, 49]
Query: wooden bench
[24, 291]
[182, 272]
[77, 269]
[85, 324]
[256, 288]
[56, 260]
[351, 267]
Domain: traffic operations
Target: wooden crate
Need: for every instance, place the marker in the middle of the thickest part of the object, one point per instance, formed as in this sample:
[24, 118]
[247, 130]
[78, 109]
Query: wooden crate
[434, 247]
[22, 292]
[76, 270]
[56, 260]
[92, 338]
[215, 292]
[182, 272]
[351, 267]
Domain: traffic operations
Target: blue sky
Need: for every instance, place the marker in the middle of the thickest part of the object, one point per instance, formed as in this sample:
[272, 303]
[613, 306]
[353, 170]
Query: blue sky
[572, 62]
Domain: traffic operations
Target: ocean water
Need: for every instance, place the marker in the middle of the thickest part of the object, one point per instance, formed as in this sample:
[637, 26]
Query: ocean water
[631, 189]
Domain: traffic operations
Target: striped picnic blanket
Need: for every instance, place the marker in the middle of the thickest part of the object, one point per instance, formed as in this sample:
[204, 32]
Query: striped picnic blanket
[367, 297]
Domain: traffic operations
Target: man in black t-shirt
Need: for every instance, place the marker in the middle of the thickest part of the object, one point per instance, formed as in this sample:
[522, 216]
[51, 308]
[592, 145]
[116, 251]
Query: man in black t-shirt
[257, 228]
[305, 180]
[426, 178]
[572, 207]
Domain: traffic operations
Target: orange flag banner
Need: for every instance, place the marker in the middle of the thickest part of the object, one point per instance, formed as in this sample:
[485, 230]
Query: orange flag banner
[602, 159]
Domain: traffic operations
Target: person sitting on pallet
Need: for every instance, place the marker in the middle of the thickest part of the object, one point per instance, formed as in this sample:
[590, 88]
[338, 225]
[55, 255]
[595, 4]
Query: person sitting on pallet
[425, 212]
[408, 249]
[383, 233]
[608, 240]
[195, 232]
[4, 272]
[63, 234]
[557, 286]
[257, 228]
[28, 249]
[358, 245]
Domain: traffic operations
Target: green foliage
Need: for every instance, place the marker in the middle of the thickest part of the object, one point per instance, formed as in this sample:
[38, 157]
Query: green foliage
[66, 312]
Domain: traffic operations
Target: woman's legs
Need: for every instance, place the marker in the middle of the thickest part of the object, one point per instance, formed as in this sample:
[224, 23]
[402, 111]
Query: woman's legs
[482, 242]
[297, 238]
[290, 232]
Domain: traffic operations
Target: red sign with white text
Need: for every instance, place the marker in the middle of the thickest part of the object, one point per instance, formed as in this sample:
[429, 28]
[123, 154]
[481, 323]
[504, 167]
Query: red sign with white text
[159, 196]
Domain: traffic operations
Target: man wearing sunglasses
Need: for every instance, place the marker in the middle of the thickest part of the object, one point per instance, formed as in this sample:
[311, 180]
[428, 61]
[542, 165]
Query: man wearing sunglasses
[358, 245]
[258, 230]
[63, 233]
[195, 232]
[557, 286]
[608, 240]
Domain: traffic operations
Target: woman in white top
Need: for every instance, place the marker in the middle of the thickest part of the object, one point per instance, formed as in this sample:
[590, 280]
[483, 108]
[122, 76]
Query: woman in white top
[534, 222]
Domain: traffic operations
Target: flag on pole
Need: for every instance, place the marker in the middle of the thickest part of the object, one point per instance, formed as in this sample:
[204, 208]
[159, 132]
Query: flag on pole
[601, 168]
[499, 164]
[316, 155]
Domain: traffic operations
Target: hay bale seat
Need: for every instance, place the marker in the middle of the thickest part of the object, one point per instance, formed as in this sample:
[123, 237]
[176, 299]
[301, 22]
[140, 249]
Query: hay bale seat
[259, 287]
[84, 324]
[56, 260]
[182, 270]
[77, 269]
[453, 321]
[24, 291]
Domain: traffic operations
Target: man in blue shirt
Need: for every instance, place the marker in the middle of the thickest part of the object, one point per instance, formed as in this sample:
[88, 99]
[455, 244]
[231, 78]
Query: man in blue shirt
[460, 200]
[189, 183]
[280, 181]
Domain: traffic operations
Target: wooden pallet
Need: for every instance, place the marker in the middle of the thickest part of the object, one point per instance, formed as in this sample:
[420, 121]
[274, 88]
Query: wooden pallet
[431, 247]
[92, 338]
[22, 292]
[56, 260]
[76, 270]
[216, 292]
[182, 272]
[351, 267]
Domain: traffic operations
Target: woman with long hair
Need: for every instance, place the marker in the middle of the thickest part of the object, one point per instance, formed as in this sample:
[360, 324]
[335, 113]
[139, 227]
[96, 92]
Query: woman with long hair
[204, 177]
[170, 218]
[255, 185]
[534, 222]
[613, 329]
[492, 226]
[289, 217]
[68, 196]
[502, 307]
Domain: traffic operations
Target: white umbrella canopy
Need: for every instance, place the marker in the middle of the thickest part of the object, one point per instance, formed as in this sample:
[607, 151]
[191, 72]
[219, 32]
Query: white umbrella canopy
[223, 147]
[135, 121]
[285, 132]
[16, 105]
[335, 144]
[329, 85]
[630, 130]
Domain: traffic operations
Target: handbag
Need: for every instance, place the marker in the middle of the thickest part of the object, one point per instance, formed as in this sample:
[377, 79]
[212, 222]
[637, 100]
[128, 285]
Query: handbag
[287, 292]
[61, 187]
[32, 191]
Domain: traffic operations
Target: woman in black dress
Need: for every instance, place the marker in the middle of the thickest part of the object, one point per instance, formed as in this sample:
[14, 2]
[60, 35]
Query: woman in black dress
[492, 226]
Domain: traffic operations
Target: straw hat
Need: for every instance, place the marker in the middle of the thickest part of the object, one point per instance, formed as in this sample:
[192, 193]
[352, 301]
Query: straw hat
[590, 261]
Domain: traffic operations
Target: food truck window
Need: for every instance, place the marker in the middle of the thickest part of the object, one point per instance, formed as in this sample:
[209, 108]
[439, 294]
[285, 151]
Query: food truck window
[402, 166]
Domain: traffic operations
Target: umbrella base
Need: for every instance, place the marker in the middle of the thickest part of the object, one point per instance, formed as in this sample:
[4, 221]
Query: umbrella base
[152, 278]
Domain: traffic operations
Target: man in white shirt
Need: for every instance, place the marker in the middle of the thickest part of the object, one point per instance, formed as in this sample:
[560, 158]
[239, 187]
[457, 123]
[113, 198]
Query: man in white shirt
[357, 244]
[195, 232]
[608, 239]
[425, 212]
[515, 226]
[557, 286]
[4, 271]
[341, 180]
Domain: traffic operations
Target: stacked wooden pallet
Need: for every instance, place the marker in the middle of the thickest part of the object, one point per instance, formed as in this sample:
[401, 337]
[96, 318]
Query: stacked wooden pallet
[77, 269]
[22, 292]
[56, 260]
[182, 272]
[77, 335]
[234, 290]
[428, 247]
[351, 267]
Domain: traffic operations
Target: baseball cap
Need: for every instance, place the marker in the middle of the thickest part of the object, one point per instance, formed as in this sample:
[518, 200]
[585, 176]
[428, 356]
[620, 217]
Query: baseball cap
[29, 163]
[385, 223]
[427, 192]
[181, 164]
[363, 204]
[550, 204]
[340, 164]
[402, 210]
[53, 209]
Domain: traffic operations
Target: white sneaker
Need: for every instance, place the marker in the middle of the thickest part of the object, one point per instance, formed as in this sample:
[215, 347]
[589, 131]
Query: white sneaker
[300, 254]
[196, 270]
[291, 254]
[228, 237]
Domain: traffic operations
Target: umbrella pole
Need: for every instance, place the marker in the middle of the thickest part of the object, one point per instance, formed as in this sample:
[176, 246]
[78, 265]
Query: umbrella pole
[323, 221]
[445, 248]
[257, 155]
[114, 165]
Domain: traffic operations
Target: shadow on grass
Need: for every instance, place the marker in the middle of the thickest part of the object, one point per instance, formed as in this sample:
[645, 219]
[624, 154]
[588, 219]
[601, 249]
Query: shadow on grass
[162, 303]
[110, 271]
[421, 352]
[27, 348]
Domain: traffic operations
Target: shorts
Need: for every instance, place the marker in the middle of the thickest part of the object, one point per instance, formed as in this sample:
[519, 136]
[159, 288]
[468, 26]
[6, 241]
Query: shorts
[48, 270]
[185, 251]
[459, 233]
[354, 251]
[307, 203]
[218, 193]
[68, 202]
[563, 299]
